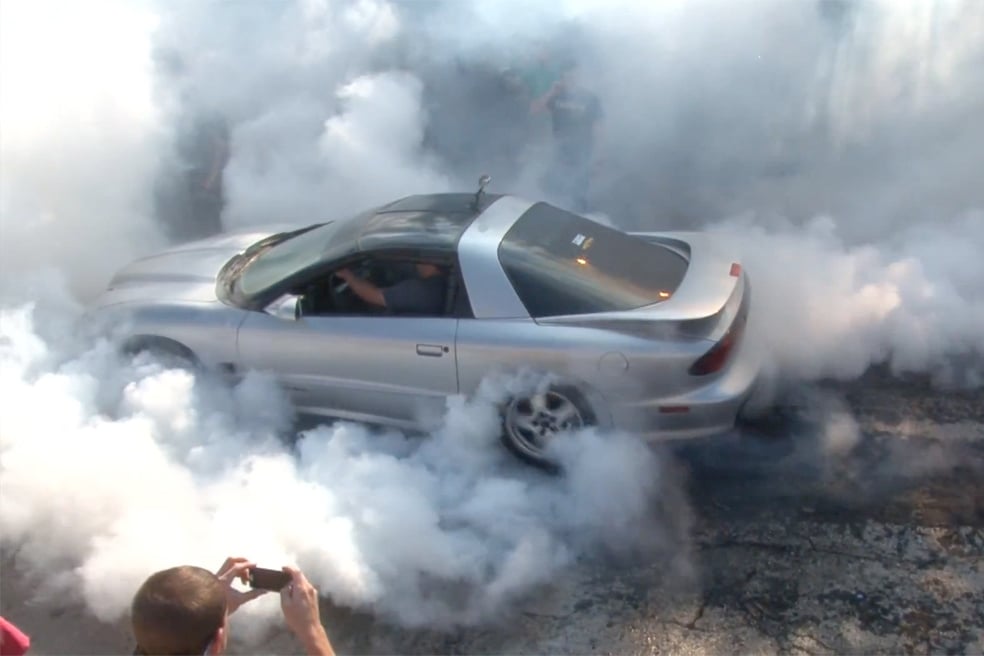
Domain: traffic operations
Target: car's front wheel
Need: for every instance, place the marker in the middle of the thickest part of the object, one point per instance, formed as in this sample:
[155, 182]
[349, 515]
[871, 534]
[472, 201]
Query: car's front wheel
[531, 422]
[166, 351]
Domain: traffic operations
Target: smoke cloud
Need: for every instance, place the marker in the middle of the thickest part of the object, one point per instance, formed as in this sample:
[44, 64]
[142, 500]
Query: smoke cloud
[835, 144]
[155, 466]
[379, 128]
[827, 309]
[80, 137]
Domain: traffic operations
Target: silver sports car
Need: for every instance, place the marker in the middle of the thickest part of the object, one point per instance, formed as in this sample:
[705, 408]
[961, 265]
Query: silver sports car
[382, 316]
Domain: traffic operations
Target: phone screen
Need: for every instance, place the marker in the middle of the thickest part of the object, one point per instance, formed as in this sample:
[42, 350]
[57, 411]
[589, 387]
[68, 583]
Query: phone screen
[268, 579]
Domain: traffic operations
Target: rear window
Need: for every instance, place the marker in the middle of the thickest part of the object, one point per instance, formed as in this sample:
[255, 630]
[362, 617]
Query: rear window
[561, 263]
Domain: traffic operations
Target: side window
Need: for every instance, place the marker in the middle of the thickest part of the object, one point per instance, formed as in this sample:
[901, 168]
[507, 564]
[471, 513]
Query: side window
[422, 291]
[384, 287]
[317, 297]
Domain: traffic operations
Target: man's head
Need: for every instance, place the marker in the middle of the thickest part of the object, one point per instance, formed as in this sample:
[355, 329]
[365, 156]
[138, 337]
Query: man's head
[181, 610]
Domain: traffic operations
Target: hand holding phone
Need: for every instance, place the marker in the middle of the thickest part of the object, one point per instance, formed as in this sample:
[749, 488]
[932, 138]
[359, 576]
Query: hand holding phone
[299, 603]
[268, 579]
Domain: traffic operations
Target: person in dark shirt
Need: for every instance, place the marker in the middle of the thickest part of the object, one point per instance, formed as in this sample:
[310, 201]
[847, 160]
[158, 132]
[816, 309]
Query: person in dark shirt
[423, 294]
[576, 115]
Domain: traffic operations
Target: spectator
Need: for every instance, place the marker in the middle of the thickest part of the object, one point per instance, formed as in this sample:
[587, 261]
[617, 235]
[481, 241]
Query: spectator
[576, 115]
[190, 195]
[204, 152]
[185, 610]
[540, 77]
[13, 641]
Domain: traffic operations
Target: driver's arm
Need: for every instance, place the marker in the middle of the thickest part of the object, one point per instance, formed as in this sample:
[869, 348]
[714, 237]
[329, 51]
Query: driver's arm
[364, 289]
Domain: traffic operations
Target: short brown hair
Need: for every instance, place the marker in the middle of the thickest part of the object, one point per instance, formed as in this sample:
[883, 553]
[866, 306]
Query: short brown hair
[178, 611]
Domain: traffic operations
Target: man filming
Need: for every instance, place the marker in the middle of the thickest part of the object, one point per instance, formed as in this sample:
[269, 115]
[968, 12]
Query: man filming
[185, 610]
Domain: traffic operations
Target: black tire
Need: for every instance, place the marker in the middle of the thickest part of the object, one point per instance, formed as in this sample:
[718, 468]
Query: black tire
[528, 423]
[167, 351]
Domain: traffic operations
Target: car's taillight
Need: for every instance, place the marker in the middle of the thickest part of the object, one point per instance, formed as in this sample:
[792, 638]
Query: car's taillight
[716, 358]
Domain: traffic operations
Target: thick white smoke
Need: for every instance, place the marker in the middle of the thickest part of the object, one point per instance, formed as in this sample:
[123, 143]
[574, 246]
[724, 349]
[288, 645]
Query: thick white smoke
[845, 135]
[80, 139]
[827, 309]
[112, 470]
[322, 123]
[366, 154]
[867, 118]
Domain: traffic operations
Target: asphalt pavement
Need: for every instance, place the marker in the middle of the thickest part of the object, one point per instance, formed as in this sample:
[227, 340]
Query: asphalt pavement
[852, 521]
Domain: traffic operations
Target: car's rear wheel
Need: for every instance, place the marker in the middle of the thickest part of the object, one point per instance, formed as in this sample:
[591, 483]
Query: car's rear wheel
[531, 422]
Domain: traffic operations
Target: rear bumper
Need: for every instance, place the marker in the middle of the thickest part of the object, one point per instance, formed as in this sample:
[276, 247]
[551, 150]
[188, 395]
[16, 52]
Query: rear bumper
[705, 411]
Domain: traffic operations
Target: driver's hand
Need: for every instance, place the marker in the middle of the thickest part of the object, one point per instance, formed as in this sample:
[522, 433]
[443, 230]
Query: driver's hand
[345, 275]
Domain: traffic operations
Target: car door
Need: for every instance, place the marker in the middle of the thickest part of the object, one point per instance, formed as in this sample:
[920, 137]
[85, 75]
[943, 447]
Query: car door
[391, 369]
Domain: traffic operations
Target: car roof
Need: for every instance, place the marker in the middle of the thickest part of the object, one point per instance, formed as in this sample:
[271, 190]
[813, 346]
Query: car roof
[432, 222]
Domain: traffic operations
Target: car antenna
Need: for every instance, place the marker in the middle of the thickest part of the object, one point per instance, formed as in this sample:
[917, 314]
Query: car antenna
[482, 183]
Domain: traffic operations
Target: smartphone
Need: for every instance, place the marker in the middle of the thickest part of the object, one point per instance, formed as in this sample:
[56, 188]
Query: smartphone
[268, 579]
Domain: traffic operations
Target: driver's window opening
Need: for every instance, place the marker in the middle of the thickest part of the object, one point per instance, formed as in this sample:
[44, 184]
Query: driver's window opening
[382, 287]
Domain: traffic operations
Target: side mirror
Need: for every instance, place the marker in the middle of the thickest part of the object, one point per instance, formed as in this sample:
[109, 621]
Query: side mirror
[286, 307]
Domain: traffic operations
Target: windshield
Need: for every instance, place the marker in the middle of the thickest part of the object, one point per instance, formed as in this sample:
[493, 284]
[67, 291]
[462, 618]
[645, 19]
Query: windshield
[561, 263]
[286, 259]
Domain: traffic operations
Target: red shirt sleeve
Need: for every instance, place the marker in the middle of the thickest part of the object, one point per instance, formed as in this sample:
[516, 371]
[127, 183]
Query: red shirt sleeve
[13, 641]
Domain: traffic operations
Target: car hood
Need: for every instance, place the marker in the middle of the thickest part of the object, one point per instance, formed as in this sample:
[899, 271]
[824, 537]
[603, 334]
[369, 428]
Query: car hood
[184, 272]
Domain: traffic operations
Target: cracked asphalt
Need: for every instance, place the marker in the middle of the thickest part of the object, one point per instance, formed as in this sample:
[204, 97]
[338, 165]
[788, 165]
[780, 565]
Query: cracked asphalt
[853, 521]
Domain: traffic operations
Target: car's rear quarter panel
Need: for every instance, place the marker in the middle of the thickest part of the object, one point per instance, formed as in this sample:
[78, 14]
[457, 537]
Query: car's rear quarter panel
[638, 380]
[614, 368]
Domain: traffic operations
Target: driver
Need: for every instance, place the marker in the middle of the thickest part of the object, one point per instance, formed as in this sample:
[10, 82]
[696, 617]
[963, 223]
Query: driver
[423, 294]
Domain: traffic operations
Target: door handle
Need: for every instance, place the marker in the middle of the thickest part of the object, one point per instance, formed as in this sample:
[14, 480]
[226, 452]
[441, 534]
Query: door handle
[431, 350]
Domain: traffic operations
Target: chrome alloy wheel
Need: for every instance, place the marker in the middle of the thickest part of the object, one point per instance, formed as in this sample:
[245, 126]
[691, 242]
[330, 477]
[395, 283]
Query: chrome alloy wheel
[531, 422]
